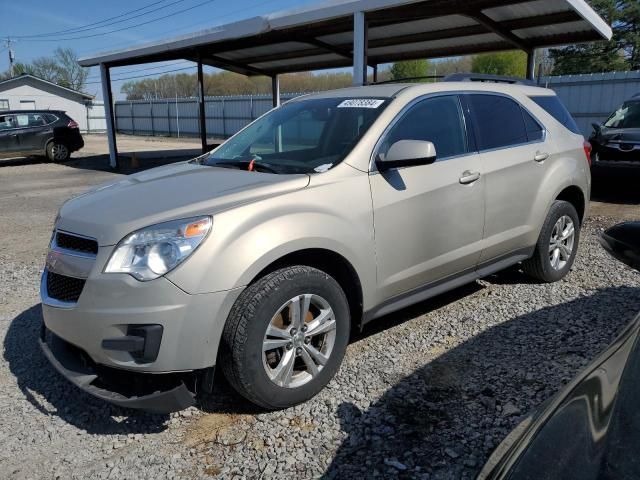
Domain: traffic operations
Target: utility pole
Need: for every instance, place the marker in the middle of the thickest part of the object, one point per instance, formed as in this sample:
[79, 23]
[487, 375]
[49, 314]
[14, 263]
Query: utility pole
[12, 57]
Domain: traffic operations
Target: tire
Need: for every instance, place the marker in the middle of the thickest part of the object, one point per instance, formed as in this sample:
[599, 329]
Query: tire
[542, 266]
[58, 152]
[268, 303]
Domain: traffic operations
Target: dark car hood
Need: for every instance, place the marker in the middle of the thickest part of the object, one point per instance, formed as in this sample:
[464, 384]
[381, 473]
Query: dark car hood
[109, 212]
[589, 431]
[622, 134]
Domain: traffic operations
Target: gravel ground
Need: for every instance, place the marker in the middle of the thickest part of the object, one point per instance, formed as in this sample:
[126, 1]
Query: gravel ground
[426, 393]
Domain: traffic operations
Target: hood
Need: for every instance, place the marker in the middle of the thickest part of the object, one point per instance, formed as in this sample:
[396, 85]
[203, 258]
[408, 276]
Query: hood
[109, 212]
[620, 134]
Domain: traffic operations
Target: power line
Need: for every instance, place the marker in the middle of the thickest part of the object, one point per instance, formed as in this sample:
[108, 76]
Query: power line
[123, 28]
[85, 27]
[147, 75]
[191, 26]
[144, 69]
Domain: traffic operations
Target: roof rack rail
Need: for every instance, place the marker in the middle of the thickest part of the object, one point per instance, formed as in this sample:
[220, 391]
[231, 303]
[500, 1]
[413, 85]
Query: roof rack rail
[409, 79]
[482, 77]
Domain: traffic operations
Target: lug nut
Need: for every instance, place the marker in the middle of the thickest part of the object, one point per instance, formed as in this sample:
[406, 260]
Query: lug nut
[304, 328]
[307, 340]
[298, 351]
[289, 346]
[293, 331]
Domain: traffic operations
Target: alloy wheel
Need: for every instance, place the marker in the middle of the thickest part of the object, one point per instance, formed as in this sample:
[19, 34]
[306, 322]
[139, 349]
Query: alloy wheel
[299, 340]
[562, 242]
[60, 152]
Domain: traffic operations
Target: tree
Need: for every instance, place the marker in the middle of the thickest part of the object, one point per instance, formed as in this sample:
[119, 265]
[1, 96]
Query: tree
[70, 73]
[62, 69]
[228, 83]
[46, 68]
[621, 53]
[452, 65]
[18, 69]
[409, 69]
[512, 63]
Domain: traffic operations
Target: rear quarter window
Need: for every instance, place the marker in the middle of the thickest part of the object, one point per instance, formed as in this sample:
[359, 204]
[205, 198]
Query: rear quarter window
[554, 107]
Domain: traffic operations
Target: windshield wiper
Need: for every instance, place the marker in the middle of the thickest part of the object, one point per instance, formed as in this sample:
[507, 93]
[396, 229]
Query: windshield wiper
[244, 165]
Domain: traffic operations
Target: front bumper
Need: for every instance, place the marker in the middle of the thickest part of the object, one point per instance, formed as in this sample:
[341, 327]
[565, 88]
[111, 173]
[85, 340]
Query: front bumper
[110, 304]
[73, 364]
[605, 156]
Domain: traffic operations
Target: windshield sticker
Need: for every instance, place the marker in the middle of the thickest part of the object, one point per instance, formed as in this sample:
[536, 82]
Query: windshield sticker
[361, 103]
[323, 168]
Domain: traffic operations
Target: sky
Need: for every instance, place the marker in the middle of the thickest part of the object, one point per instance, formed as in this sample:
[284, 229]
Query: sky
[30, 19]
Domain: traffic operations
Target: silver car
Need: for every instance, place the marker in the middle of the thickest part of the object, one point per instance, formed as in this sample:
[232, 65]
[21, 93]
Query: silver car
[333, 210]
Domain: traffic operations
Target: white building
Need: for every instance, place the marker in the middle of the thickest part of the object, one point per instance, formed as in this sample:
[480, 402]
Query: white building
[27, 92]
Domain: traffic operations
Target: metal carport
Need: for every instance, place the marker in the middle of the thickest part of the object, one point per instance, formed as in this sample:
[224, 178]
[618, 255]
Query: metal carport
[362, 34]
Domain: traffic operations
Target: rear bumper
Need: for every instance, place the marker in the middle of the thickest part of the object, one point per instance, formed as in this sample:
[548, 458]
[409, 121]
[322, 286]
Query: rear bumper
[76, 143]
[171, 395]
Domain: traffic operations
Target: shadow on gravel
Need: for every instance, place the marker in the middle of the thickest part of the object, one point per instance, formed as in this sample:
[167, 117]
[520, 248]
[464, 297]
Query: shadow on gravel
[616, 185]
[36, 378]
[444, 420]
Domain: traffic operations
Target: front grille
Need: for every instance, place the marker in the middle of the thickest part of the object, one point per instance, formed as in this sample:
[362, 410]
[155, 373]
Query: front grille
[79, 244]
[63, 288]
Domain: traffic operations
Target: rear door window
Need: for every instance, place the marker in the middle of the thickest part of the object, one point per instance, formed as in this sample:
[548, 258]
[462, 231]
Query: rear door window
[498, 121]
[22, 120]
[557, 110]
[37, 120]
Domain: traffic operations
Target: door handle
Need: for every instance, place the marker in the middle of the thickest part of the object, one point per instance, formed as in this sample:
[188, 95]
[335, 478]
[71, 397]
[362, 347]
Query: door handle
[469, 177]
[541, 157]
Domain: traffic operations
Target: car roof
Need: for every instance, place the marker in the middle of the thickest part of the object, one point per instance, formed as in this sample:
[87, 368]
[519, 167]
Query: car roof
[390, 90]
[14, 112]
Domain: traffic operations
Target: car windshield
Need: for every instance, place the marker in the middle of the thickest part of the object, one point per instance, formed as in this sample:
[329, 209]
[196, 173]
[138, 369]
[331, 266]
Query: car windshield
[626, 117]
[300, 137]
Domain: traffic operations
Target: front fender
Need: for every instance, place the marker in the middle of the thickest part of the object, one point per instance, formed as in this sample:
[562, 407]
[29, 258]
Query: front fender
[246, 240]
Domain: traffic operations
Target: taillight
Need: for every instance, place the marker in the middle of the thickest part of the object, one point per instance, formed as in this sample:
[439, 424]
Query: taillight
[72, 124]
[587, 151]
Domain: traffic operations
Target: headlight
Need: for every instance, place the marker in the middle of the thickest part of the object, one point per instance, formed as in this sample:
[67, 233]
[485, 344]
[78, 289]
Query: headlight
[156, 250]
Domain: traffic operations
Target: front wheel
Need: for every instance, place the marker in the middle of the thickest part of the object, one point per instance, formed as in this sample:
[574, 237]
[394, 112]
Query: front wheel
[285, 337]
[58, 152]
[557, 245]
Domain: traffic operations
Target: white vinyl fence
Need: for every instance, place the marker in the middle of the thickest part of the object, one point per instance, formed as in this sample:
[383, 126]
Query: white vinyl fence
[589, 98]
[179, 117]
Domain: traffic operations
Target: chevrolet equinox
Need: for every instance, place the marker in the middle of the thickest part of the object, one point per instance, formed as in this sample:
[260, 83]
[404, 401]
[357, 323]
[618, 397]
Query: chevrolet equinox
[326, 213]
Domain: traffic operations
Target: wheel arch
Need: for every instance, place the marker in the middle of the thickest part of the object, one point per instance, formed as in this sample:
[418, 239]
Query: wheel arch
[331, 263]
[576, 197]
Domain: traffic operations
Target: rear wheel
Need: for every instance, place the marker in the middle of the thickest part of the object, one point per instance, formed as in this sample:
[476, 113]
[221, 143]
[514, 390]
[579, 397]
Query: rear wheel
[557, 245]
[58, 152]
[285, 337]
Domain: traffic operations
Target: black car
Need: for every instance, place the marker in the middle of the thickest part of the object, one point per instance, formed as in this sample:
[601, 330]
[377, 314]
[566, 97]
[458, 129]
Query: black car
[51, 133]
[591, 429]
[617, 141]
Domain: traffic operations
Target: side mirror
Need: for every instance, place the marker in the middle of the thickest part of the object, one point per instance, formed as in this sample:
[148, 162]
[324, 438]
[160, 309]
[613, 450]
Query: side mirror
[623, 243]
[407, 153]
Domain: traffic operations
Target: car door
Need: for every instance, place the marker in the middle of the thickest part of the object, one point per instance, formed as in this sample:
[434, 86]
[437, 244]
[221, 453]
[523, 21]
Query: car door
[35, 135]
[428, 219]
[515, 156]
[27, 134]
[8, 136]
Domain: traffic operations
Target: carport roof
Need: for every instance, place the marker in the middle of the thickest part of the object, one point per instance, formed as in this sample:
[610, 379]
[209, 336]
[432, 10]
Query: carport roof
[321, 36]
